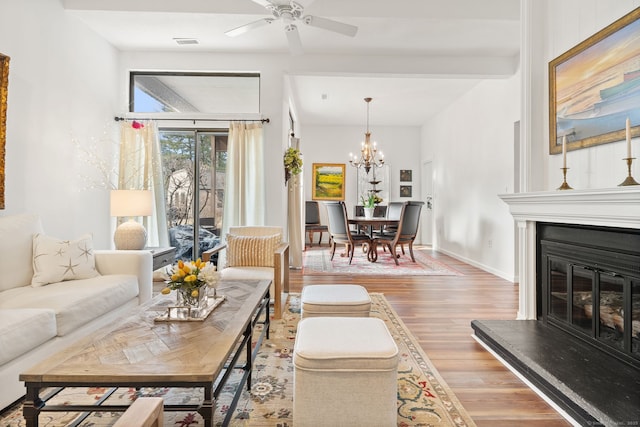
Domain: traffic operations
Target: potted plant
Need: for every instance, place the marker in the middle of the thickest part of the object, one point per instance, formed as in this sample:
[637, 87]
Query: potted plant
[369, 204]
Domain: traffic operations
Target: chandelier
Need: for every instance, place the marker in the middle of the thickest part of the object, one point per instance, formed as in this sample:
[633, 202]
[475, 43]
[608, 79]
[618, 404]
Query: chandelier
[368, 151]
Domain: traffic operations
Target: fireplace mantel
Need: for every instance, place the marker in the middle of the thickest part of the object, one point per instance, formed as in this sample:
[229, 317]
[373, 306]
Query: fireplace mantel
[612, 207]
[615, 207]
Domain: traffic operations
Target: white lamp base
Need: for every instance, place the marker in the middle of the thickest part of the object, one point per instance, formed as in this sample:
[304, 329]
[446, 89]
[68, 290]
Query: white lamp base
[130, 235]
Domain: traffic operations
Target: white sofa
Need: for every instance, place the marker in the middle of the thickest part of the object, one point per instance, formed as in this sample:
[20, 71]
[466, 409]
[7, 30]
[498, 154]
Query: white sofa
[36, 322]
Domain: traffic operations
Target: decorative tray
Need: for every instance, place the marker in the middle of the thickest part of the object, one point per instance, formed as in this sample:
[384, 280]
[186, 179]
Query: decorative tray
[188, 314]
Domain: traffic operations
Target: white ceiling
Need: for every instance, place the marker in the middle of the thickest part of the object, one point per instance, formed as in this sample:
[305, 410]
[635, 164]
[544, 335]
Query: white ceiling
[413, 57]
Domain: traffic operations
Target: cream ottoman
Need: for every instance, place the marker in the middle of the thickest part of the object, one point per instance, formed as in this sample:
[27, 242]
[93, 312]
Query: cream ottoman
[335, 300]
[345, 373]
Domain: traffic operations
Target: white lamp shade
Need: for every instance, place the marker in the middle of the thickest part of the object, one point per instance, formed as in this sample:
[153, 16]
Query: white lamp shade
[131, 203]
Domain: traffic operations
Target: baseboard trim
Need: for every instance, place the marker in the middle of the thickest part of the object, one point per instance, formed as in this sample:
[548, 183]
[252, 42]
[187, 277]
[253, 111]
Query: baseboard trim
[501, 274]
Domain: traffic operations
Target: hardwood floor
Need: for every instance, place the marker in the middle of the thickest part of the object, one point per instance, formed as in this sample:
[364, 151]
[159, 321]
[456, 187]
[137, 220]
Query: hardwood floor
[438, 310]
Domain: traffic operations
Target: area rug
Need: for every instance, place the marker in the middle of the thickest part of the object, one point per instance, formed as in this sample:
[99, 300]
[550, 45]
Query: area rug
[424, 399]
[318, 261]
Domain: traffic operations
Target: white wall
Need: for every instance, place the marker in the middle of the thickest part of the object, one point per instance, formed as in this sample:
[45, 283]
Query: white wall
[62, 88]
[595, 167]
[332, 144]
[471, 147]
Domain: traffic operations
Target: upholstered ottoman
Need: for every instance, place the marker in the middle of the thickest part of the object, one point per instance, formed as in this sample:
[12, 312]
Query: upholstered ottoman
[345, 373]
[335, 300]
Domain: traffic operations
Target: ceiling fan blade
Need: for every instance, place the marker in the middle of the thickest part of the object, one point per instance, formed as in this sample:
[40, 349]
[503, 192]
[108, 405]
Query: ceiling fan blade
[263, 3]
[248, 27]
[331, 25]
[293, 37]
[304, 3]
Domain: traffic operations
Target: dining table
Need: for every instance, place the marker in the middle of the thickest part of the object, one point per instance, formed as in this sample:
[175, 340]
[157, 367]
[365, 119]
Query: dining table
[370, 224]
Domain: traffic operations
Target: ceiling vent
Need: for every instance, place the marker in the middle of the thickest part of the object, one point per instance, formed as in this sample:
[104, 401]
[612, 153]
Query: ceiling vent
[186, 41]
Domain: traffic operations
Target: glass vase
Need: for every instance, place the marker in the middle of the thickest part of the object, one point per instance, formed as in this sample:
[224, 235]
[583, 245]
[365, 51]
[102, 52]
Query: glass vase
[186, 298]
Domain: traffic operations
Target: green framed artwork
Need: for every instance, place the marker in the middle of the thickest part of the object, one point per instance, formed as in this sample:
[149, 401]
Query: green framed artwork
[328, 181]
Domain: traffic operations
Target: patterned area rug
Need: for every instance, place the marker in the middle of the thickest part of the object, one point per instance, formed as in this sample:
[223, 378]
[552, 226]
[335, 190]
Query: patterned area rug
[424, 399]
[318, 261]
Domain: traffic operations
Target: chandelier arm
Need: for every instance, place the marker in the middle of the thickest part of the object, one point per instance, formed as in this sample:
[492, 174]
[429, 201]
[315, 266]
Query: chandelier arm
[368, 151]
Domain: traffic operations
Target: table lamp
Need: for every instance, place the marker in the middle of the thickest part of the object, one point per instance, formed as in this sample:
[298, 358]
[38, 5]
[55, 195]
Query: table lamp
[130, 235]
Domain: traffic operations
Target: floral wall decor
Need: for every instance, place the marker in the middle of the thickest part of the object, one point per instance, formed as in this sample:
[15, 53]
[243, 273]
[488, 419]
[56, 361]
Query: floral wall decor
[292, 163]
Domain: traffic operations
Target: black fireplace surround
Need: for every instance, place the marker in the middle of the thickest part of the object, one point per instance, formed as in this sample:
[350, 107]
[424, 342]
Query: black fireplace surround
[588, 285]
[583, 351]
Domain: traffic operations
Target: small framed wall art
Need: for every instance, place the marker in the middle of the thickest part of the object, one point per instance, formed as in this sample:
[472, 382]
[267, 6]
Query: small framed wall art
[405, 191]
[406, 175]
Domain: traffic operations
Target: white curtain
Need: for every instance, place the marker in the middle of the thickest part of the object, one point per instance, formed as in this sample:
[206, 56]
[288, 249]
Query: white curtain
[140, 168]
[296, 231]
[244, 201]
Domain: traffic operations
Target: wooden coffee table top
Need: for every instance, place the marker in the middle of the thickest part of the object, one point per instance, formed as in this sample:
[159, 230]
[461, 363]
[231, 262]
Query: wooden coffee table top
[138, 350]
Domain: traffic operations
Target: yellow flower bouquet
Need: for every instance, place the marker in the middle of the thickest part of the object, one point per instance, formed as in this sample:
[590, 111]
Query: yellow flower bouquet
[190, 279]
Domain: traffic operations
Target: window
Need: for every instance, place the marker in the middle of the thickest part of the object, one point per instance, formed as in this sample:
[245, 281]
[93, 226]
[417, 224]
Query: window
[185, 211]
[193, 158]
[216, 93]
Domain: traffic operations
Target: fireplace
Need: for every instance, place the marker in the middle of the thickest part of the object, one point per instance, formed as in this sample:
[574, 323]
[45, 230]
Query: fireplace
[588, 285]
[576, 338]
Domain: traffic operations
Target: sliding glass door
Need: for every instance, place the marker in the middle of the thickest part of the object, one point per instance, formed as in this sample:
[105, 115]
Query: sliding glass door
[194, 165]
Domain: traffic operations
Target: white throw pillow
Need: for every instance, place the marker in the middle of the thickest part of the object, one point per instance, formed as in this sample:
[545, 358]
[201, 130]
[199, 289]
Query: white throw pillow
[56, 260]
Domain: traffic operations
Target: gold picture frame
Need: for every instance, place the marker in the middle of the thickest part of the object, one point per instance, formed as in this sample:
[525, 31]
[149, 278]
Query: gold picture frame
[589, 88]
[328, 181]
[4, 85]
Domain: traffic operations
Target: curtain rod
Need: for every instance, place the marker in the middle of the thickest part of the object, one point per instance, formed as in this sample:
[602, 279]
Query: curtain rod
[118, 119]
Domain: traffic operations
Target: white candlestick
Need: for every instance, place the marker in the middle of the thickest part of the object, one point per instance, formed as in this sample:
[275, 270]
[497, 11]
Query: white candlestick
[628, 139]
[564, 151]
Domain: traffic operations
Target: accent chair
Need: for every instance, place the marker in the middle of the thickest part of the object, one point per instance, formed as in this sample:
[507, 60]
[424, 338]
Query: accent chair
[257, 253]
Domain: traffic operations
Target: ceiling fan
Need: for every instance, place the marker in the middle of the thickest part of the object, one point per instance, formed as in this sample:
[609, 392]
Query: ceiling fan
[290, 12]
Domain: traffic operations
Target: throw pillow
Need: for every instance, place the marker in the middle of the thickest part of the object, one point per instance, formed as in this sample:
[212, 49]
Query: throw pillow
[56, 260]
[251, 251]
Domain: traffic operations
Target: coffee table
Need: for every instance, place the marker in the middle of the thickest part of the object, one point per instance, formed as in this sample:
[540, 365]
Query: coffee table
[140, 352]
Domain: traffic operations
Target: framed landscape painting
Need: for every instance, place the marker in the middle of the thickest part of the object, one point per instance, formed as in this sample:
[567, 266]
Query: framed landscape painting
[595, 87]
[328, 181]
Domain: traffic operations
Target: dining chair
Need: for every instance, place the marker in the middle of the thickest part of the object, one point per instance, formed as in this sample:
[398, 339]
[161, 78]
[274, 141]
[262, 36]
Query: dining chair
[312, 223]
[406, 232]
[394, 212]
[339, 229]
[379, 211]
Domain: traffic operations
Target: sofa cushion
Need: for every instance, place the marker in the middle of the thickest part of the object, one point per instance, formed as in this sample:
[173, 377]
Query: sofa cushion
[75, 302]
[16, 236]
[251, 251]
[55, 260]
[24, 329]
